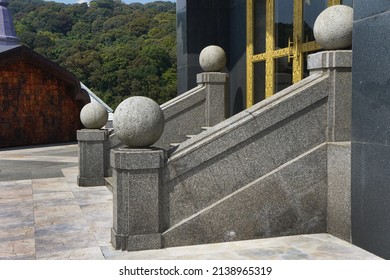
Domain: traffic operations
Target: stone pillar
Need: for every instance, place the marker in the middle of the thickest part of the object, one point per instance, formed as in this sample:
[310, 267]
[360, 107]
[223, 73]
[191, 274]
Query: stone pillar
[92, 146]
[92, 157]
[217, 103]
[371, 127]
[338, 66]
[212, 59]
[137, 175]
[136, 196]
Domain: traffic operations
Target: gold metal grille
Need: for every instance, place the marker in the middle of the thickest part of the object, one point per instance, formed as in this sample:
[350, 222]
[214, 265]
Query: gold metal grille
[295, 50]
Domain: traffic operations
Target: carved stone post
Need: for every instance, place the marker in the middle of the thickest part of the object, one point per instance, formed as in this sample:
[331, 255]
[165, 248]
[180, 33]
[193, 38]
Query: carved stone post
[92, 146]
[137, 171]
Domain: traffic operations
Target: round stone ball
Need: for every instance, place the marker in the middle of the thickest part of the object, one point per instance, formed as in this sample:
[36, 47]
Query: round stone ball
[333, 27]
[138, 122]
[212, 59]
[93, 116]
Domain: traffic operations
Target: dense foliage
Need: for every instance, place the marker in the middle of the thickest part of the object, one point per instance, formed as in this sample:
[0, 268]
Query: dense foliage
[118, 50]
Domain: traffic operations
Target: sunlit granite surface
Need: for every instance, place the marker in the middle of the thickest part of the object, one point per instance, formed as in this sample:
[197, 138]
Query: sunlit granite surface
[45, 215]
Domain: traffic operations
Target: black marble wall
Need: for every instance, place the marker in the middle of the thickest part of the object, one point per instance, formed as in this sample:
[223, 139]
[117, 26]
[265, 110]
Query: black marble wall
[371, 127]
[201, 23]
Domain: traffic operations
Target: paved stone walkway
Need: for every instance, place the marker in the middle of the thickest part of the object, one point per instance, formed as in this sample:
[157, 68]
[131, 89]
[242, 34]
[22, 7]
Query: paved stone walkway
[45, 215]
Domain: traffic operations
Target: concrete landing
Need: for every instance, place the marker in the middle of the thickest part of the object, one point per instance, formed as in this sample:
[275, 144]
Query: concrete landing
[44, 215]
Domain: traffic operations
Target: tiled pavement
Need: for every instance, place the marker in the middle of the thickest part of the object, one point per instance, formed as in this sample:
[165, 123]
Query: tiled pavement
[45, 215]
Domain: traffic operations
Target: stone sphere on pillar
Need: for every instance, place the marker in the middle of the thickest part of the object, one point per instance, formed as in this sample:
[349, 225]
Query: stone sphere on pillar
[93, 116]
[212, 59]
[138, 122]
[333, 27]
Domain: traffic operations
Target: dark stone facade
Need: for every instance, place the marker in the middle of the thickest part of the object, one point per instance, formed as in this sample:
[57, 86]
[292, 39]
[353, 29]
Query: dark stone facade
[371, 127]
[201, 23]
[40, 101]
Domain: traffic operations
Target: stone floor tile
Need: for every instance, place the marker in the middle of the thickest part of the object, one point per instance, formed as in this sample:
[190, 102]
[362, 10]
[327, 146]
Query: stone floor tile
[50, 185]
[98, 212]
[61, 229]
[19, 257]
[102, 236]
[111, 254]
[16, 190]
[198, 249]
[90, 253]
[16, 248]
[222, 255]
[14, 200]
[264, 253]
[63, 242]
[98, 195]
[43, 221]
[16, 232]
[51, 199]
[22, 217]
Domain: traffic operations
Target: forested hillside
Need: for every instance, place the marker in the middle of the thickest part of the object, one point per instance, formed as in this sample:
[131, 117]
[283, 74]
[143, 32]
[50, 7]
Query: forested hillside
[116, 49]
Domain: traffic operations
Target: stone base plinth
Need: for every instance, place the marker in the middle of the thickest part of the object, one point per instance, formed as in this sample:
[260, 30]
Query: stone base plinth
[92, 157]
[136, 242]
[136, 198]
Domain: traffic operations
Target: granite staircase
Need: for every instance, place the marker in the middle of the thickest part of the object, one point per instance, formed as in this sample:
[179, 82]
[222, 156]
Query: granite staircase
[277, 168]
[265, 171]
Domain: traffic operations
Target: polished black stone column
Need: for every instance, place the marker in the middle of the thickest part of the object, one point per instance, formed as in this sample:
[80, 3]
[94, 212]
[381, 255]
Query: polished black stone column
[201, 23]
[371, 127]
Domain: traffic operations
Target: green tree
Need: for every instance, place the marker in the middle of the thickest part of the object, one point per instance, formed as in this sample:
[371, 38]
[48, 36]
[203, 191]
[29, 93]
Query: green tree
[116, 49]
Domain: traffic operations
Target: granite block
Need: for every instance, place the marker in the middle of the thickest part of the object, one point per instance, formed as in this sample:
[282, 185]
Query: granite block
[367, 8]
[247, 124]
[204, 105]
[137, 159]
[371, 80]
[309, 126]
[229, 173]
[144, 242]
[370, 197]
[340, 107]
[143, 203]
[92, 157]
[187, 122]
[329, 59]
[213, 142]
[184, 102]
[250, 144]
[339, 190]
[120, 201]
[136, 196]
[371, 127]
[212, 78]
[216, 104]
[90, 182]
[113, 141]
[118, 241]
[266, 207]
[191, 194]
[255, 157]
[90, 135]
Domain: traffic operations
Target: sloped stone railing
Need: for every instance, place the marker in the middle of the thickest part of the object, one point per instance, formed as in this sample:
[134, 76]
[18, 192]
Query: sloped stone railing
[186, 114]
[263, 172]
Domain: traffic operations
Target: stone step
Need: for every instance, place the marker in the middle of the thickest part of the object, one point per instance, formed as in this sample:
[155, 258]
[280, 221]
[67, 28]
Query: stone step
[109, 183]
[174, 145]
